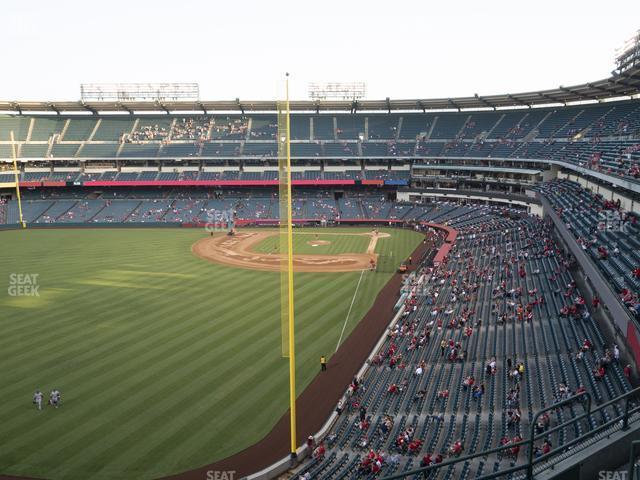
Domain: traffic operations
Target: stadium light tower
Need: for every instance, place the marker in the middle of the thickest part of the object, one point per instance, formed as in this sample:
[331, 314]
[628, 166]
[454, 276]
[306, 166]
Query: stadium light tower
[139, 92]
[628, 56]
[337, 90]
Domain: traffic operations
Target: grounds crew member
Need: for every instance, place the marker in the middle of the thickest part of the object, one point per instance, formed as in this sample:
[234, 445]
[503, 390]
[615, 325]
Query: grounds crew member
[323, 363]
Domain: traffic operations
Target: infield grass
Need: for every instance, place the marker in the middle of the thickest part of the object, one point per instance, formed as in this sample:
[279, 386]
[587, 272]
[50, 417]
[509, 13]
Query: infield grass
[166, 362]
[341, 240]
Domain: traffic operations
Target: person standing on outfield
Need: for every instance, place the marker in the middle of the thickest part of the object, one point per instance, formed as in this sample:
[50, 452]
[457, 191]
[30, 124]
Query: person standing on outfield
[37, 399]
[54, 398]
[323, 363]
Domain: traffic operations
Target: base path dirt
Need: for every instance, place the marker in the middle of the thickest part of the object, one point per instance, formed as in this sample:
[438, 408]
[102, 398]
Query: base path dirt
[238, 251]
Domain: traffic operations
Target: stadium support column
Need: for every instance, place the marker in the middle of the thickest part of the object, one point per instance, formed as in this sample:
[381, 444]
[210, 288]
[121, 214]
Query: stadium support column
[17, 178]
[285, 237]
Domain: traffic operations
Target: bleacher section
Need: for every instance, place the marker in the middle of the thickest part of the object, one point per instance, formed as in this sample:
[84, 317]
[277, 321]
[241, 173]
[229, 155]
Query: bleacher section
[19, 125]
[113, 129]
[229, 128]
[609, 235]
[140, 150]
[46, 127]
[264, 128]
[151, 129]
[603, 137]
[79, 129]
[323, 127]
[124, 205]
[412, 401]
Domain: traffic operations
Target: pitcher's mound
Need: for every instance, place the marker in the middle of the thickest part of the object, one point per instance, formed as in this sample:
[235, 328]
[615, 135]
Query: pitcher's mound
[318, 243]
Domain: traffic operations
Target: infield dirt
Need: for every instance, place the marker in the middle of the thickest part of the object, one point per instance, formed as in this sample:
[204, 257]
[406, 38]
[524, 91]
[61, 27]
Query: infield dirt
[238, 251]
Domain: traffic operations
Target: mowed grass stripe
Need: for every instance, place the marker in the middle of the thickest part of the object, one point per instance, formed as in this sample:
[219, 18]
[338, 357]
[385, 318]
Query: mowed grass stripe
[249, 373]
[191, 430]
[62, 307]
[179, 374]
[197, 437]
[168, 332]
[60, 329]
[240, 336]
[150, 327]
[66, 333]
[160, 392]
[242, 387]
[147, 389]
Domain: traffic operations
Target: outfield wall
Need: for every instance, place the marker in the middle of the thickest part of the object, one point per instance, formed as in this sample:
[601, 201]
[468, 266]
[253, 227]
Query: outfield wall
[266, 222]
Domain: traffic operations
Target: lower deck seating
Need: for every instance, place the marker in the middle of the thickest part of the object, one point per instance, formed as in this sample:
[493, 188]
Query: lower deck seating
[136, 205]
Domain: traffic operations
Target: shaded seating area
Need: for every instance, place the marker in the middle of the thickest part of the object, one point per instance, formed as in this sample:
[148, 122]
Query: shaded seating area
[607, 232]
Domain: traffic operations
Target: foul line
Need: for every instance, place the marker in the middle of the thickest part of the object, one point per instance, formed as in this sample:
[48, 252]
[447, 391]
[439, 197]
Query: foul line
[349, 312]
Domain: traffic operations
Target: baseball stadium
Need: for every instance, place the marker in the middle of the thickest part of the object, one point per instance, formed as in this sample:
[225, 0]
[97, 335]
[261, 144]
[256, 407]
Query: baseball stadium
[330, 288]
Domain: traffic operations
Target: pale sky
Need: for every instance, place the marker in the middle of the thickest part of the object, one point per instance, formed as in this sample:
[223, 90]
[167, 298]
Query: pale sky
[241, 48]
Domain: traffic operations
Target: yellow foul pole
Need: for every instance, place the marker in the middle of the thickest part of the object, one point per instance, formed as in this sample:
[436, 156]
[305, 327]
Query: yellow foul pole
[292, 343]
[17, 178]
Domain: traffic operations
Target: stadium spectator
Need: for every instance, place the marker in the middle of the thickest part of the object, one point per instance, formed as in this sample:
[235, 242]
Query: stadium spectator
[455, 450]
[319, 451]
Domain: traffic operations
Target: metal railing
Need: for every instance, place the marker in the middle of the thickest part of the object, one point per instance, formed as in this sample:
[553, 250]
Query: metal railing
[623, 420]
[632, 471]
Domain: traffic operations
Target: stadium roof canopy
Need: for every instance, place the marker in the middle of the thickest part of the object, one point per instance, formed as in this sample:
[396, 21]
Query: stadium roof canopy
[619, 85]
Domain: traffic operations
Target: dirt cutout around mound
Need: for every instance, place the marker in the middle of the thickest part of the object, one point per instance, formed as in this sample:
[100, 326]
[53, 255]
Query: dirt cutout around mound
[237, 251]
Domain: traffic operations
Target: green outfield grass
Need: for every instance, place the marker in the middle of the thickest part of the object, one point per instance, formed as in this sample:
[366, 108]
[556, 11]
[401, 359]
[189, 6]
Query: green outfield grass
[166, 362]
[340, 243]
